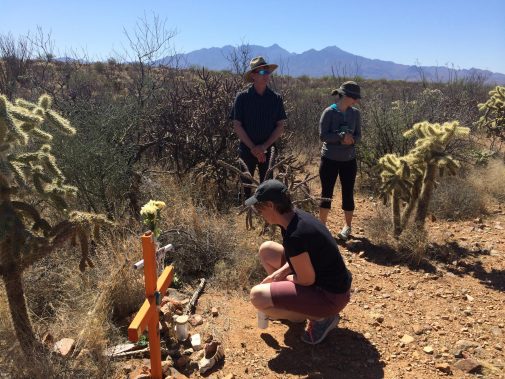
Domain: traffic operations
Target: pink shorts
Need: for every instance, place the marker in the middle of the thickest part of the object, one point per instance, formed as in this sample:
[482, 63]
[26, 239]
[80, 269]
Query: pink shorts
[307, 300]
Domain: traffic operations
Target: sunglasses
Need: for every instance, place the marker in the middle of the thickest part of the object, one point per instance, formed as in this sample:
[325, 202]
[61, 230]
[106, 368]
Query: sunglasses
[263, 72]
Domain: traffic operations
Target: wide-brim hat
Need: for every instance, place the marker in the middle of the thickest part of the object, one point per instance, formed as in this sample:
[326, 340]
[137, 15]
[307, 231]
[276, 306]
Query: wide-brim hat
[257, 63]
[349, 88]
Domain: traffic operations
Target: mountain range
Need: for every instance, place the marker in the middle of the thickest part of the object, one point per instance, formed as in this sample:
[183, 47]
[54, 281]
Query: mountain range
[318, 63]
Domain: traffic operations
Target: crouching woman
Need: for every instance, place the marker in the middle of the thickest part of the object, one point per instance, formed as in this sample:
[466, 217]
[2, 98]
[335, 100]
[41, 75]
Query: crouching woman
[307, 277]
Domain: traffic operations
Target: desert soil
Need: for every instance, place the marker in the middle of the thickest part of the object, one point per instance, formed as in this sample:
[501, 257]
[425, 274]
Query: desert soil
[444, 318]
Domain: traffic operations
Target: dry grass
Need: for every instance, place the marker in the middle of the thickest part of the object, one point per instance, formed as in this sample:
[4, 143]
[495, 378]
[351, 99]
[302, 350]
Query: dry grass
[207, 244]
[82, 306]
[490, 180]
[412, 243]
[457, 198]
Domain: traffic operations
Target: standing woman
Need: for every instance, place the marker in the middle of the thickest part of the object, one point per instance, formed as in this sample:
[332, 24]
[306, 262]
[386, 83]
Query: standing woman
[340, 130]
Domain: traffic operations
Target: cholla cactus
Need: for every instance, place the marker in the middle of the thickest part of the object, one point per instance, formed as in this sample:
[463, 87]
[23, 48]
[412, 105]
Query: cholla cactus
[28, 167]
[493, 118]
[411, 178]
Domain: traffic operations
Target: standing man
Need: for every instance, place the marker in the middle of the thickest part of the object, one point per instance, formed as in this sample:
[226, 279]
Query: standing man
[258, 118]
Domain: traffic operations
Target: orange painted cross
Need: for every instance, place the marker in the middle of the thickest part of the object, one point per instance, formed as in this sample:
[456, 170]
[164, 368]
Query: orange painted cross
[148, 315]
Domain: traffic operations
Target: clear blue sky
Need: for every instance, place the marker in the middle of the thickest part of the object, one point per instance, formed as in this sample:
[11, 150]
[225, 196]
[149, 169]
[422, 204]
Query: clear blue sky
[461, 33]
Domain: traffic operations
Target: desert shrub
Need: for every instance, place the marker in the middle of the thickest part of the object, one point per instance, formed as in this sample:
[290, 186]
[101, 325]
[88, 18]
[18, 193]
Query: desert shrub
[304, 106]
[96, 161]
[457, 198]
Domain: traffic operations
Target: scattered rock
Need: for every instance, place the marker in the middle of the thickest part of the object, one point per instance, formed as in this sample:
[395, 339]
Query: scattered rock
[229, 376]
[468, 297]
[168, 361]
[195, 320]
[428, 349]
[496, 332]
[173, 373]
[462, 345]
[468, 365]
[182, 361]
[418, 329]
[444, 367]
[64, 346]
[406, 339]
[377, 318]
[166, 311]
[140, 373]
[214, 312]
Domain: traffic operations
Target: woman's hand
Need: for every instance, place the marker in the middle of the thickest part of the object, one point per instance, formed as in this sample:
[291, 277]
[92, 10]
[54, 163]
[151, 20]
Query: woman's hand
[277, 276]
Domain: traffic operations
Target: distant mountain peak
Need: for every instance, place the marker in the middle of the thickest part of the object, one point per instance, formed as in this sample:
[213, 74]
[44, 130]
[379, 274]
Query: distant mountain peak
[332, 59]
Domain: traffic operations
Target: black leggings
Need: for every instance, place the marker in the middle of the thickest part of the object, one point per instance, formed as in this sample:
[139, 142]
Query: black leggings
[328, 172]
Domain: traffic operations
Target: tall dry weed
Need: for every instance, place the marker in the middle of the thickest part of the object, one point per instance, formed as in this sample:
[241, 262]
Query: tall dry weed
[490, 180]
[457, 198]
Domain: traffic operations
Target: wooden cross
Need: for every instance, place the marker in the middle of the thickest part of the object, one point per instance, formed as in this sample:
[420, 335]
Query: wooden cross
[148, 315]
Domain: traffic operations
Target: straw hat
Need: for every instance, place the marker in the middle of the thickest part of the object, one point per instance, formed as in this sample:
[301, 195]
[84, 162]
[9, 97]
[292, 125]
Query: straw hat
[256, 63]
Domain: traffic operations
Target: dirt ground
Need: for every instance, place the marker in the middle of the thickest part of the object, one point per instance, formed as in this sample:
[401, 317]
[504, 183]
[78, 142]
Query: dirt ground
[402, 322]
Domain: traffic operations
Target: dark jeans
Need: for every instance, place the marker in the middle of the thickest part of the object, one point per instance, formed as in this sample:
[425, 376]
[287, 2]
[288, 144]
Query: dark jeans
[329, 170]
[251, 163]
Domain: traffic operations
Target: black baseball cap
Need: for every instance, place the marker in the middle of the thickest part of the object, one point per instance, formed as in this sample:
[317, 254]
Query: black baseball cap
[269, 190]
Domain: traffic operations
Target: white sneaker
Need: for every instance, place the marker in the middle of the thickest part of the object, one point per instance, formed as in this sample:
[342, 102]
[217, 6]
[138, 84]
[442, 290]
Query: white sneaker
[345, 233]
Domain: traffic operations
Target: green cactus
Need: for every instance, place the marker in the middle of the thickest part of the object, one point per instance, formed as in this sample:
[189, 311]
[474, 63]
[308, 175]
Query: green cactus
[28, 167]
[493, 119]
[411, 178]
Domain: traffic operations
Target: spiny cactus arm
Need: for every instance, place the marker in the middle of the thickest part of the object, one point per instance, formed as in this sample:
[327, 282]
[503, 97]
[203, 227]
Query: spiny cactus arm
[449, 163]
[244, 174]
[13, 131]
[40, 180]
[27, 158]
[49, 162]
[59, 123]
[45, 102]
[20, 114]
[42, 135]
[80, 227]
[272, 168]
[304, 182]
[27, 209]
[39, 248]
[26, 104]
